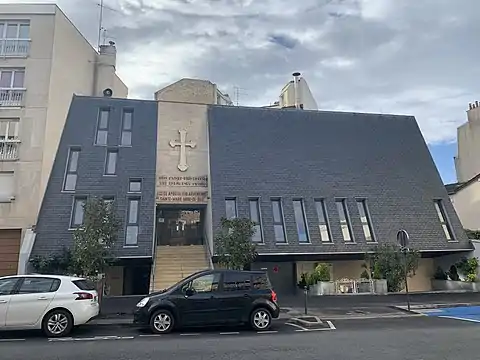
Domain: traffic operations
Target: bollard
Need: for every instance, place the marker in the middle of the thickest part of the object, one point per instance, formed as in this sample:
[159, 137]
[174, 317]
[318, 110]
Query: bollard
[305, 292]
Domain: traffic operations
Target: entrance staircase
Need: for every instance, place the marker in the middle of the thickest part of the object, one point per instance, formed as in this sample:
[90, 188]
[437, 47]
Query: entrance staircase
[173, 263]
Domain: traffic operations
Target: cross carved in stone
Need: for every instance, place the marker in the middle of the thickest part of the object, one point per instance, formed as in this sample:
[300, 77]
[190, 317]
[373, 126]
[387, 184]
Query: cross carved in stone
[182, 164]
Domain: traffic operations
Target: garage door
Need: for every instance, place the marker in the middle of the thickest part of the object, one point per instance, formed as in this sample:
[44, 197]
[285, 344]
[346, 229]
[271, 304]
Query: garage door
[9, 250]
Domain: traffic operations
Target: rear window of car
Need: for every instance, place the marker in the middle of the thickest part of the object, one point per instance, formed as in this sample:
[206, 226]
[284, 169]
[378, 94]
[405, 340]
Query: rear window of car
[85, 285]
[261, 282]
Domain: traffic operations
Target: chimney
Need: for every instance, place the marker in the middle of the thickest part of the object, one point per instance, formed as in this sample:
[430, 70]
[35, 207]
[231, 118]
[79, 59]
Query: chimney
[296, 78]
[470, 106]
[105, 68]
[476, 104]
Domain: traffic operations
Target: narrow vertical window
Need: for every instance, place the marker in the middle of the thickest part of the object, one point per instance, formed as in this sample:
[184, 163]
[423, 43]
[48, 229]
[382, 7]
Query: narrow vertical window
[102, 127]
[442, 216]
[70, 181]
[278, 224]
[301, 221]
[365, 220]
[255, 217]
[131, 236]
[323, 224]
[78, 211]
[231, 208]
[126, 139]
[109, 201]
[344, 220]
[111, 162]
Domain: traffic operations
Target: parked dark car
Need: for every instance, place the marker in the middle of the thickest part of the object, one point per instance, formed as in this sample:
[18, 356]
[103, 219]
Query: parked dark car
[211, 297]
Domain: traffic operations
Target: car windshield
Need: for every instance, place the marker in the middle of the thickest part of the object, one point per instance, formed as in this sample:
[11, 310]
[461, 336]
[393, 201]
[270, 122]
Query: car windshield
[181, 282]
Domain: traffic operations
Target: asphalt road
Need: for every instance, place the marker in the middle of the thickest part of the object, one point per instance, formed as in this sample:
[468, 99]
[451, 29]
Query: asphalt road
[412, 338]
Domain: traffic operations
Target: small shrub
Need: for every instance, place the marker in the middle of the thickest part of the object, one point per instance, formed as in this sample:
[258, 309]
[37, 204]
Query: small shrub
[440, 274]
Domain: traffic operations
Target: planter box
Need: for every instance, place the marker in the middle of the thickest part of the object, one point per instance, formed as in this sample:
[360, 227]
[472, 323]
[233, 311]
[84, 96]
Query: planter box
[380, 287]
[323, 288]
[450, 285]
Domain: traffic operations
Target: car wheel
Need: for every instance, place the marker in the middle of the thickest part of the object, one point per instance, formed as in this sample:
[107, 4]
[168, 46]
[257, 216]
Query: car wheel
[57, 323]
[261, 319]
[162, 322]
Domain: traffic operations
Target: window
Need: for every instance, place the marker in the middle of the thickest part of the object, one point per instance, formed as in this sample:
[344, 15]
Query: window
[14, 30]
[323, 224]
[231, 208]
[135, 185]
[126, 139]
[255, 217]
[442, 216]
[85, 285]
[236, 281]
[35, 285]
[111, 162]
[70, 182]
[365, 220]
[131, 236]
[7, 186]
[9, 140]
[109, 201]
[7, 285]
[344, 220]
[278, 225]
[261, 282]
[203, 284]
[12, 79]
[78, 212]
[300, 219]
[102, 127]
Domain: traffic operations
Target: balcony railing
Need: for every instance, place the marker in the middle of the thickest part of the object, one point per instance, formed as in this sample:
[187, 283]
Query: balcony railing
[14, 47]
[11, 97]
[9, 150]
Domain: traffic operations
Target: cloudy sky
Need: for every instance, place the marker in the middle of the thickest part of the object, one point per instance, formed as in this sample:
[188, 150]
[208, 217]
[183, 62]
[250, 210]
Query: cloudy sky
[416, 57]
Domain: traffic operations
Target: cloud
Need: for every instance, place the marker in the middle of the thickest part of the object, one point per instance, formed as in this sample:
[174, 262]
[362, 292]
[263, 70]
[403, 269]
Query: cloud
[410, 57]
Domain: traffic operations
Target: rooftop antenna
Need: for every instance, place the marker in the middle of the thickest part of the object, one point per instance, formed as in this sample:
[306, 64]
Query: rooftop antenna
[237, 92]
[100, 27]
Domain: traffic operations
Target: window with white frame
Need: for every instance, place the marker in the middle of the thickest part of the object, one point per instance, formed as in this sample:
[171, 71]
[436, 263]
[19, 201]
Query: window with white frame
[442, 216]
[127, 117]
[344, 220]
[323, 224]
[278, 223]
[12, 78]
[365, 220]
[14, 30]
[9, 139]
[71, 172]
[101, 137]
[301, 221]
[131, 234]
[231, 208]
[78, 212]
[255, 216]
[7, 186]
[111, 162]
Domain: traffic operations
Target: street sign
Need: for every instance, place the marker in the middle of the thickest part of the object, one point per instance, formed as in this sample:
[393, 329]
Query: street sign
[403, 238]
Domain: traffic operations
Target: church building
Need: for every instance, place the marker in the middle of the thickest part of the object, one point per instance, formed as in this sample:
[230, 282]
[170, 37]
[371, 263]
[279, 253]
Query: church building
[322, 186]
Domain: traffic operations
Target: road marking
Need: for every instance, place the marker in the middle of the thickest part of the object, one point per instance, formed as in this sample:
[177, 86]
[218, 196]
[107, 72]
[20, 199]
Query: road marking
[267, 332]
[297, 326]
[459, 318]
[331, 325]
[151, 335]
[190, 334]
[92, 338]
[8, 340]
[230, 333]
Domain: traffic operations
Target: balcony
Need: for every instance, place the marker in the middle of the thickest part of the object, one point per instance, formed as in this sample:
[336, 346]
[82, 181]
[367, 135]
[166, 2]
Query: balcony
[9, 150]
[14, 48]
[11, 97]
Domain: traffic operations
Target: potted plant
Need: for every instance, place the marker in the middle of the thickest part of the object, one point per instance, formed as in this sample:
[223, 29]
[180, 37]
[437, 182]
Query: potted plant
[321, 280]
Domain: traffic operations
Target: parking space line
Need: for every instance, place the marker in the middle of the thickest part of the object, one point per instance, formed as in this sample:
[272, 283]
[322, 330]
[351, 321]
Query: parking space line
[190, 334]
[150, 335]
[459, 318]
[8, 340]
[297, 326]
[230, 333]
[267, 332]
[330, 324]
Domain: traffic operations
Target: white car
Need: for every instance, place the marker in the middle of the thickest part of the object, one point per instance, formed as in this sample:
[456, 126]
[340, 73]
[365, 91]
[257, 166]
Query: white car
[54, 304]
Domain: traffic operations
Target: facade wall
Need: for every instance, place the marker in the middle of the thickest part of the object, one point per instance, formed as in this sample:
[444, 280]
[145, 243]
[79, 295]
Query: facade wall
[290, 154]
[467, 205]
[188, 91]
[137, 161]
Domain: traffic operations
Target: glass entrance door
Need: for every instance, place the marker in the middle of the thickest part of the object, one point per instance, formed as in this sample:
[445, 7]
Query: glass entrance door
[180, 227]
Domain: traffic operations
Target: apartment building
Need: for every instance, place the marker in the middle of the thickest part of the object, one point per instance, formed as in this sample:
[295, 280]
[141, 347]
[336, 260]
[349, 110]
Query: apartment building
[295, 94]
[44, 61]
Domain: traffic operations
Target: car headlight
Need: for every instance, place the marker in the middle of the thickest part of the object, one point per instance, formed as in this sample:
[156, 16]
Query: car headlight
[143, 302]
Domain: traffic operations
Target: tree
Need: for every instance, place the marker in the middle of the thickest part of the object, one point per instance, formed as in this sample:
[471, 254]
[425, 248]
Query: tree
[94, 240]
[473, 234]
[233, 243]
[388, 262]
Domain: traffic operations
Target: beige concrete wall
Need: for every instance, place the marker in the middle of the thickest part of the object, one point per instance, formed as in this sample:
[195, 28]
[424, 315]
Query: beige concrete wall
[467, 205]
[120, 90]
[467, 162]
[422, 279]
[347, 269]
[190, 91]
[22, 212]
[175, 186]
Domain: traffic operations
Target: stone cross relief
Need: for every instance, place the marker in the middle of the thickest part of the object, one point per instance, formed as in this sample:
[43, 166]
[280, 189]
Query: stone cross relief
[182, 164]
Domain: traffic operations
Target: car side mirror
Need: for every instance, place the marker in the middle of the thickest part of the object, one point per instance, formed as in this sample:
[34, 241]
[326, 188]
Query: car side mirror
[189, 292]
